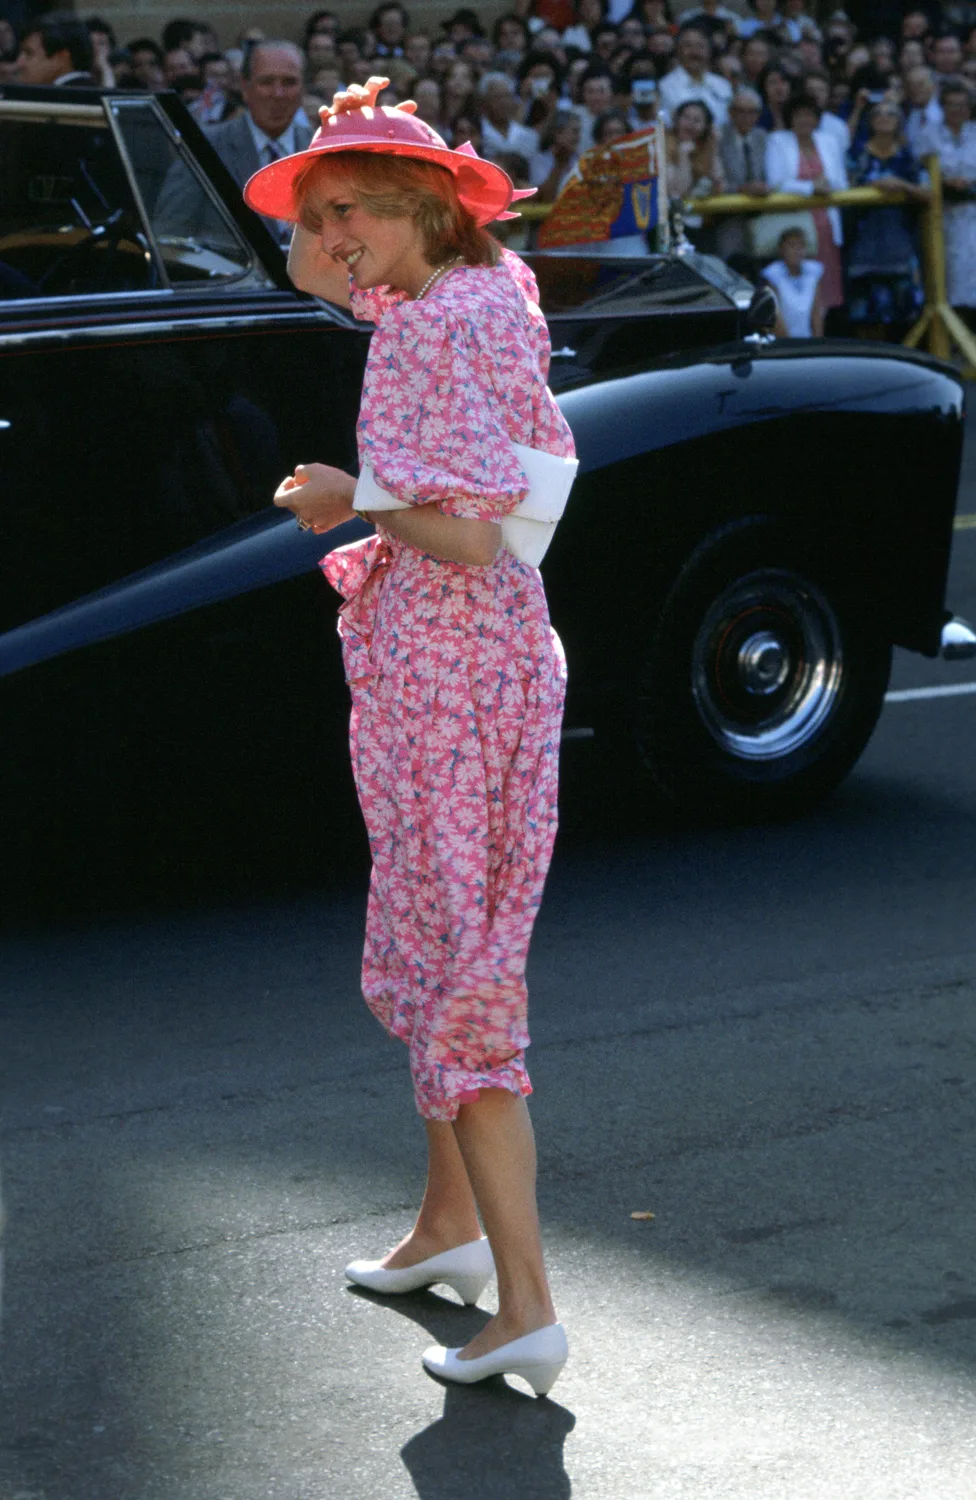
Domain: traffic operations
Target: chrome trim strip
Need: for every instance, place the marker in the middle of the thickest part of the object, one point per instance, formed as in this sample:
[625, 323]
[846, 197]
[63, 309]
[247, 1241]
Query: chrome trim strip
[112, 115]
[94, 300]
[40, 110]
[44, 337]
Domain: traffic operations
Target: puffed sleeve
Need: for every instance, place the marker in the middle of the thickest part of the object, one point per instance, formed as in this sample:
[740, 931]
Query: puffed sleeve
[430, 426]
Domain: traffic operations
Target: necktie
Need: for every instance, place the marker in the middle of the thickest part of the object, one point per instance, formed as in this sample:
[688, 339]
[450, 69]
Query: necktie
[747, 158]
[273, 152]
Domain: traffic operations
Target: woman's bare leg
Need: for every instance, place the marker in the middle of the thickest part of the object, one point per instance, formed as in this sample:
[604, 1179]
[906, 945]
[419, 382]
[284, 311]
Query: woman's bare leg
[448, 1216]
[497, 1146]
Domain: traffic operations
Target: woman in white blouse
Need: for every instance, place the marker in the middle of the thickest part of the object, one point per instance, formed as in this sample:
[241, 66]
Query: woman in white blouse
[805, 159]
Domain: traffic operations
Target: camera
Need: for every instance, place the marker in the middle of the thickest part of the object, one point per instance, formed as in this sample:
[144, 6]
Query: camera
[643, 90]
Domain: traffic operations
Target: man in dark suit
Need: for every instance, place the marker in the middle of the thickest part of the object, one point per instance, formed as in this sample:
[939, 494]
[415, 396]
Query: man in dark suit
[56, 49]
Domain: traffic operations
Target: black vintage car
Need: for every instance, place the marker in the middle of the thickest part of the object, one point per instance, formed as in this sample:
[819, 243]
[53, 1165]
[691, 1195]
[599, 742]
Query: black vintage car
[754, 526]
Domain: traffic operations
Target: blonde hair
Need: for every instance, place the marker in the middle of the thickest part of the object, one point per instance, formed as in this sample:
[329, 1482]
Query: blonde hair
[400, 187]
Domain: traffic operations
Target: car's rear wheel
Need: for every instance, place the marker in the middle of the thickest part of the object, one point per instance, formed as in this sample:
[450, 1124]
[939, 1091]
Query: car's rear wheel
[763, 682]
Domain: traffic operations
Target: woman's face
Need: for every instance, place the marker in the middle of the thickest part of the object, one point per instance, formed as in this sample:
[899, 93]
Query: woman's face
[730, 67]
[805, 123]
[885, 121]
[611, 130]
[378, 252]
[604, 44]
[912, 56]
[320, 51]
[691, 124]
[589, 12]
[567, 135]
[755, 56]
[460, 80]
[777, 89]
[327, 83]
[511, 37]
[467, 130]
[819, 89]
[427, 95]
[883, 55]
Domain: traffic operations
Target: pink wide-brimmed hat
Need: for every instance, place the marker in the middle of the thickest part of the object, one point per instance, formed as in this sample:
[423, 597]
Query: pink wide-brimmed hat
[356, 123]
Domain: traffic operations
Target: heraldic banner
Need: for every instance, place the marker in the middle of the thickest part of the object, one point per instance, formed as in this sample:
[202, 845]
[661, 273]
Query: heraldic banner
[615, 190]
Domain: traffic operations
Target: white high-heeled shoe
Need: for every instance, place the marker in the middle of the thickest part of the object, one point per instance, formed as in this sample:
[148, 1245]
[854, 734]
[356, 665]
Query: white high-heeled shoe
[538, 1357]
[467, 1269]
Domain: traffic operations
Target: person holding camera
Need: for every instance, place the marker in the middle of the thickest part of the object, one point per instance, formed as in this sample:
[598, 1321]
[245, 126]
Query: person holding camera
[553, 165]
[641, 93]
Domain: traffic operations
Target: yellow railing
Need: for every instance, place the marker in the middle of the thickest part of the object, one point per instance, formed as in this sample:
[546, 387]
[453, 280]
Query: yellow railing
[939, 325]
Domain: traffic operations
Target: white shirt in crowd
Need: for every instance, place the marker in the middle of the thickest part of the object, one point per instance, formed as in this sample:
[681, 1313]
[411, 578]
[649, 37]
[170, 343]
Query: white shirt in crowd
[751, 24]
[783, 164]
[519, 138]
[795, 294]
[833, 125]
[578, 37]
[678, 86]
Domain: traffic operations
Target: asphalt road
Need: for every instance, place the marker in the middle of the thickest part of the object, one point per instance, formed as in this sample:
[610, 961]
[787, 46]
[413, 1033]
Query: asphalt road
[763, 1037]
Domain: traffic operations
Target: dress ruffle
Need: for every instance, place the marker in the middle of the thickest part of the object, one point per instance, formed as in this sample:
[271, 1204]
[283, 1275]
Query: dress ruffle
[355, 572]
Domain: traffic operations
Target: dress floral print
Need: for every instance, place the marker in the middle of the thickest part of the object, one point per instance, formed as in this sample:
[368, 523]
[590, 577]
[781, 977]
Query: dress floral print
[457, 682]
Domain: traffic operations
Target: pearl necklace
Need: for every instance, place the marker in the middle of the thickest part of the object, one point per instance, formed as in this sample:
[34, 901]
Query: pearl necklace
[438, 272]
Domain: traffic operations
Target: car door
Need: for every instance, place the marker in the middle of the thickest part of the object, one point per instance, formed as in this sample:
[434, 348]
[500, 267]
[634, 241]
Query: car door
[157, 379]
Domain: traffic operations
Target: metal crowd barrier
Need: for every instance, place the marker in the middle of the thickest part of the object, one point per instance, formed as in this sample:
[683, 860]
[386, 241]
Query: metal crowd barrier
[939, 325]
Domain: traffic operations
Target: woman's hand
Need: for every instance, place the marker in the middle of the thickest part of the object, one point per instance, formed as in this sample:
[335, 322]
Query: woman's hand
[318, 495]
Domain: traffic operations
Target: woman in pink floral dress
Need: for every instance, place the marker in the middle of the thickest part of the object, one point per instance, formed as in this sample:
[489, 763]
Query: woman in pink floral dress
[456, 677]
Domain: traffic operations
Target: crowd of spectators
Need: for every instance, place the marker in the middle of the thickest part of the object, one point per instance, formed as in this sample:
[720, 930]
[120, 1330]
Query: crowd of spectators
[756, 96]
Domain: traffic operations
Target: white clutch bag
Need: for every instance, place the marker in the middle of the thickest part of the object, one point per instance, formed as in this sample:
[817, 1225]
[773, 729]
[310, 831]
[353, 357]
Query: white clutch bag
[528, 531]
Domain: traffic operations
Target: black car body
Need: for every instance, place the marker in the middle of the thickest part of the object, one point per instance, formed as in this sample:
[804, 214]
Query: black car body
[755, 523]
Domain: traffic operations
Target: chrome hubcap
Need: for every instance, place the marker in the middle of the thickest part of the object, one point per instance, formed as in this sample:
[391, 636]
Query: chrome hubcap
[764, 662]
[767, 665]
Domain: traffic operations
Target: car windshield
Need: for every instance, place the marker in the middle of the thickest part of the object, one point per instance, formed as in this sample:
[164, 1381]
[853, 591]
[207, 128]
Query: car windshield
[584, 285]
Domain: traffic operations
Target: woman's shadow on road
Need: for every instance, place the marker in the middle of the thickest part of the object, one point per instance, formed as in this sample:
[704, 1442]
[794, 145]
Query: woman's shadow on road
[492, 1441]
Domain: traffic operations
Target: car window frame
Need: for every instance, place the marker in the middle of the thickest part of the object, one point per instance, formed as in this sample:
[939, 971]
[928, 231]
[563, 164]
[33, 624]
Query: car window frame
[245, 282]
[98, 111]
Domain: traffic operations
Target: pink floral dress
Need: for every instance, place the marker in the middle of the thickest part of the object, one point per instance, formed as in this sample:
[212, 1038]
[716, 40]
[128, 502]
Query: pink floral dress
[457, 681]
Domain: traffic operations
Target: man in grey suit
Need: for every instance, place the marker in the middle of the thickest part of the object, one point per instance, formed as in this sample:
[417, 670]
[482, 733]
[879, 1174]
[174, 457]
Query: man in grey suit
[272, 84]
[742, 149]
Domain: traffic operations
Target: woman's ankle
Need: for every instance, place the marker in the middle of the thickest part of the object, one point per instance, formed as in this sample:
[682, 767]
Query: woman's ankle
[445, 1232]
